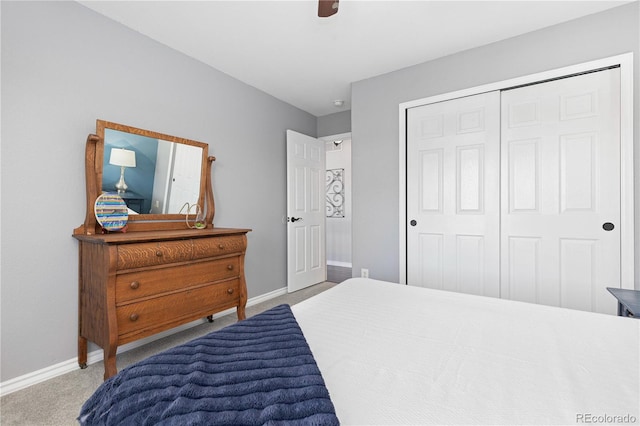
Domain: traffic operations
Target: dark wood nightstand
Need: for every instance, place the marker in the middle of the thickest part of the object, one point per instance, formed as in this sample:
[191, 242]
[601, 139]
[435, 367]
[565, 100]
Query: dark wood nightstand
[133, 200]
[628, 301]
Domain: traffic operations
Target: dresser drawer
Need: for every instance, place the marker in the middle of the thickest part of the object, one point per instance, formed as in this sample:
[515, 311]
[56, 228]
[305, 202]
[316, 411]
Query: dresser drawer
[165, 309]
[134, 285]
[217, 246]
[148, 254]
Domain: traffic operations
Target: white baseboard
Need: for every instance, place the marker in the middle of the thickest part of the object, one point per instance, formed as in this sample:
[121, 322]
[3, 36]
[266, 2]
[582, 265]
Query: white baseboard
[338, 263]
[44, 374]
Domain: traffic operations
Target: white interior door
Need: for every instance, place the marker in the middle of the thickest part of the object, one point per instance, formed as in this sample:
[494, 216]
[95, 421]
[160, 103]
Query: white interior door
[306, 258]
[453, 195]
[560, 185]
[184, 185]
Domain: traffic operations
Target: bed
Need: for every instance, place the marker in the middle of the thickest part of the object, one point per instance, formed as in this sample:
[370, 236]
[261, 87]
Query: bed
[395, 354]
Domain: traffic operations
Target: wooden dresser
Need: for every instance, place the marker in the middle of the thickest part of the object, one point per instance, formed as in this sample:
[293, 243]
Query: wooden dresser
[158, 272]
[133, 285]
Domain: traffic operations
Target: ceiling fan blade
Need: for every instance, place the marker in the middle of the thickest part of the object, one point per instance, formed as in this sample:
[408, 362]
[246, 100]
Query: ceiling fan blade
[327, 8]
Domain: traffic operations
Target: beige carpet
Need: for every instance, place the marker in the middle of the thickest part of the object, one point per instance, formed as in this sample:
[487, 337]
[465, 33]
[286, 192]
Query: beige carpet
[57, 402]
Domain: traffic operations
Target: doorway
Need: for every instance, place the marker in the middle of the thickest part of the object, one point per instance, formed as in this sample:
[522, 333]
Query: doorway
[306, 264]
[318, 209]
[338, 207]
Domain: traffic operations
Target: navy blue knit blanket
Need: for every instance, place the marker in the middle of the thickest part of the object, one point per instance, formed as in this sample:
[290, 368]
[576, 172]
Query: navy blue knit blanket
[254, 372]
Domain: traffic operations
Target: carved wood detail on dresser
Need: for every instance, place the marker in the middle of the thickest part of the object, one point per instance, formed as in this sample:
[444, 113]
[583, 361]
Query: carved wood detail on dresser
[161, 272]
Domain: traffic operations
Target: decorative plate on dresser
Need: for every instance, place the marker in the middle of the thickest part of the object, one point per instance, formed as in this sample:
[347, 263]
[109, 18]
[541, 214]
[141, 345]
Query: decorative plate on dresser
[111, 212]
[160, 273]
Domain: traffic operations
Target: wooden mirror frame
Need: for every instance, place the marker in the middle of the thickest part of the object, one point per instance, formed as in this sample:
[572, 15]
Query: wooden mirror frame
[94, 157]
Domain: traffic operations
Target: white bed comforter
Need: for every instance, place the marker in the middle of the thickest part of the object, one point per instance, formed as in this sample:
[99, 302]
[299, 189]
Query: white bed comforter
[395, 354]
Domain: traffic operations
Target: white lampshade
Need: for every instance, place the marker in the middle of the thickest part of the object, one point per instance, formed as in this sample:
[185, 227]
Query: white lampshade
[122, 157]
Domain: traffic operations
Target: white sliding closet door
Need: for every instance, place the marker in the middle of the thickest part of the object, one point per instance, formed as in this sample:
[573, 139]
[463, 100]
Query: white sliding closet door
[516, 193]
[453, 195]
[560, 186]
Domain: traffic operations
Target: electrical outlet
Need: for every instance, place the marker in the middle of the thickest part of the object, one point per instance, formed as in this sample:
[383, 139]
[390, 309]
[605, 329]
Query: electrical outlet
[364, 273]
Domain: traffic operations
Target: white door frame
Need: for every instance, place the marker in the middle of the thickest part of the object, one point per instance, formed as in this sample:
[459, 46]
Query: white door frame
[332, 138]
[625, 61]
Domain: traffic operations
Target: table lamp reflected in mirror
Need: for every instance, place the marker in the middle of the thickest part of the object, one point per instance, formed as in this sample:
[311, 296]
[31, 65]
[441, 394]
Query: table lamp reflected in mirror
[123, 158]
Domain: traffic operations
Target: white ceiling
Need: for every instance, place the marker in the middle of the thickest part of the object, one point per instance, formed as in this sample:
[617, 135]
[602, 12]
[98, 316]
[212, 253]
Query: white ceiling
[284, 49]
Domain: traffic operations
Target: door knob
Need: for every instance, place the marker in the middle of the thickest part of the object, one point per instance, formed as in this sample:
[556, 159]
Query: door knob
[295, 219]
[413, 222]
[608, 226]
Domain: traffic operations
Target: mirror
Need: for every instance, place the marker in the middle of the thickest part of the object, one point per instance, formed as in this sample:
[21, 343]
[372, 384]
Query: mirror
[155, 174]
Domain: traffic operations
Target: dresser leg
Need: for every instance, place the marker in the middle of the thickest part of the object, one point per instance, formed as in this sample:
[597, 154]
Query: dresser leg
[82, 352]
[210, 318]
[110, 368]
[241, 314]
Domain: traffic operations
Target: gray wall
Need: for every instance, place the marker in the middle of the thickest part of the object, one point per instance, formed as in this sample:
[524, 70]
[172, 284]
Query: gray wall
[334, 124]
[375, 115]
[64, 66]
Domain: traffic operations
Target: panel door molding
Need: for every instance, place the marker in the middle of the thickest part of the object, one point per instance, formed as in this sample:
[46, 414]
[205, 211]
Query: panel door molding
[560, 184]
[453, 181]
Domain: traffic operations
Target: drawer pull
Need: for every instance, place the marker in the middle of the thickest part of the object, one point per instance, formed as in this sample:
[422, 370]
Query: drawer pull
[159, 253]
[230, 291]
[230, 267]
[133, 317]
[134, 285]
[220, 246]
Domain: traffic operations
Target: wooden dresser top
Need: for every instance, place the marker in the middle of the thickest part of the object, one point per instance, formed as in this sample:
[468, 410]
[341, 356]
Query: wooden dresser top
[163, 235]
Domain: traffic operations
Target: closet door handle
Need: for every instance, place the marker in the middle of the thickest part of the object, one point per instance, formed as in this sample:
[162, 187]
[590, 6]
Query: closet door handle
[413, 222]
[608, 226]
